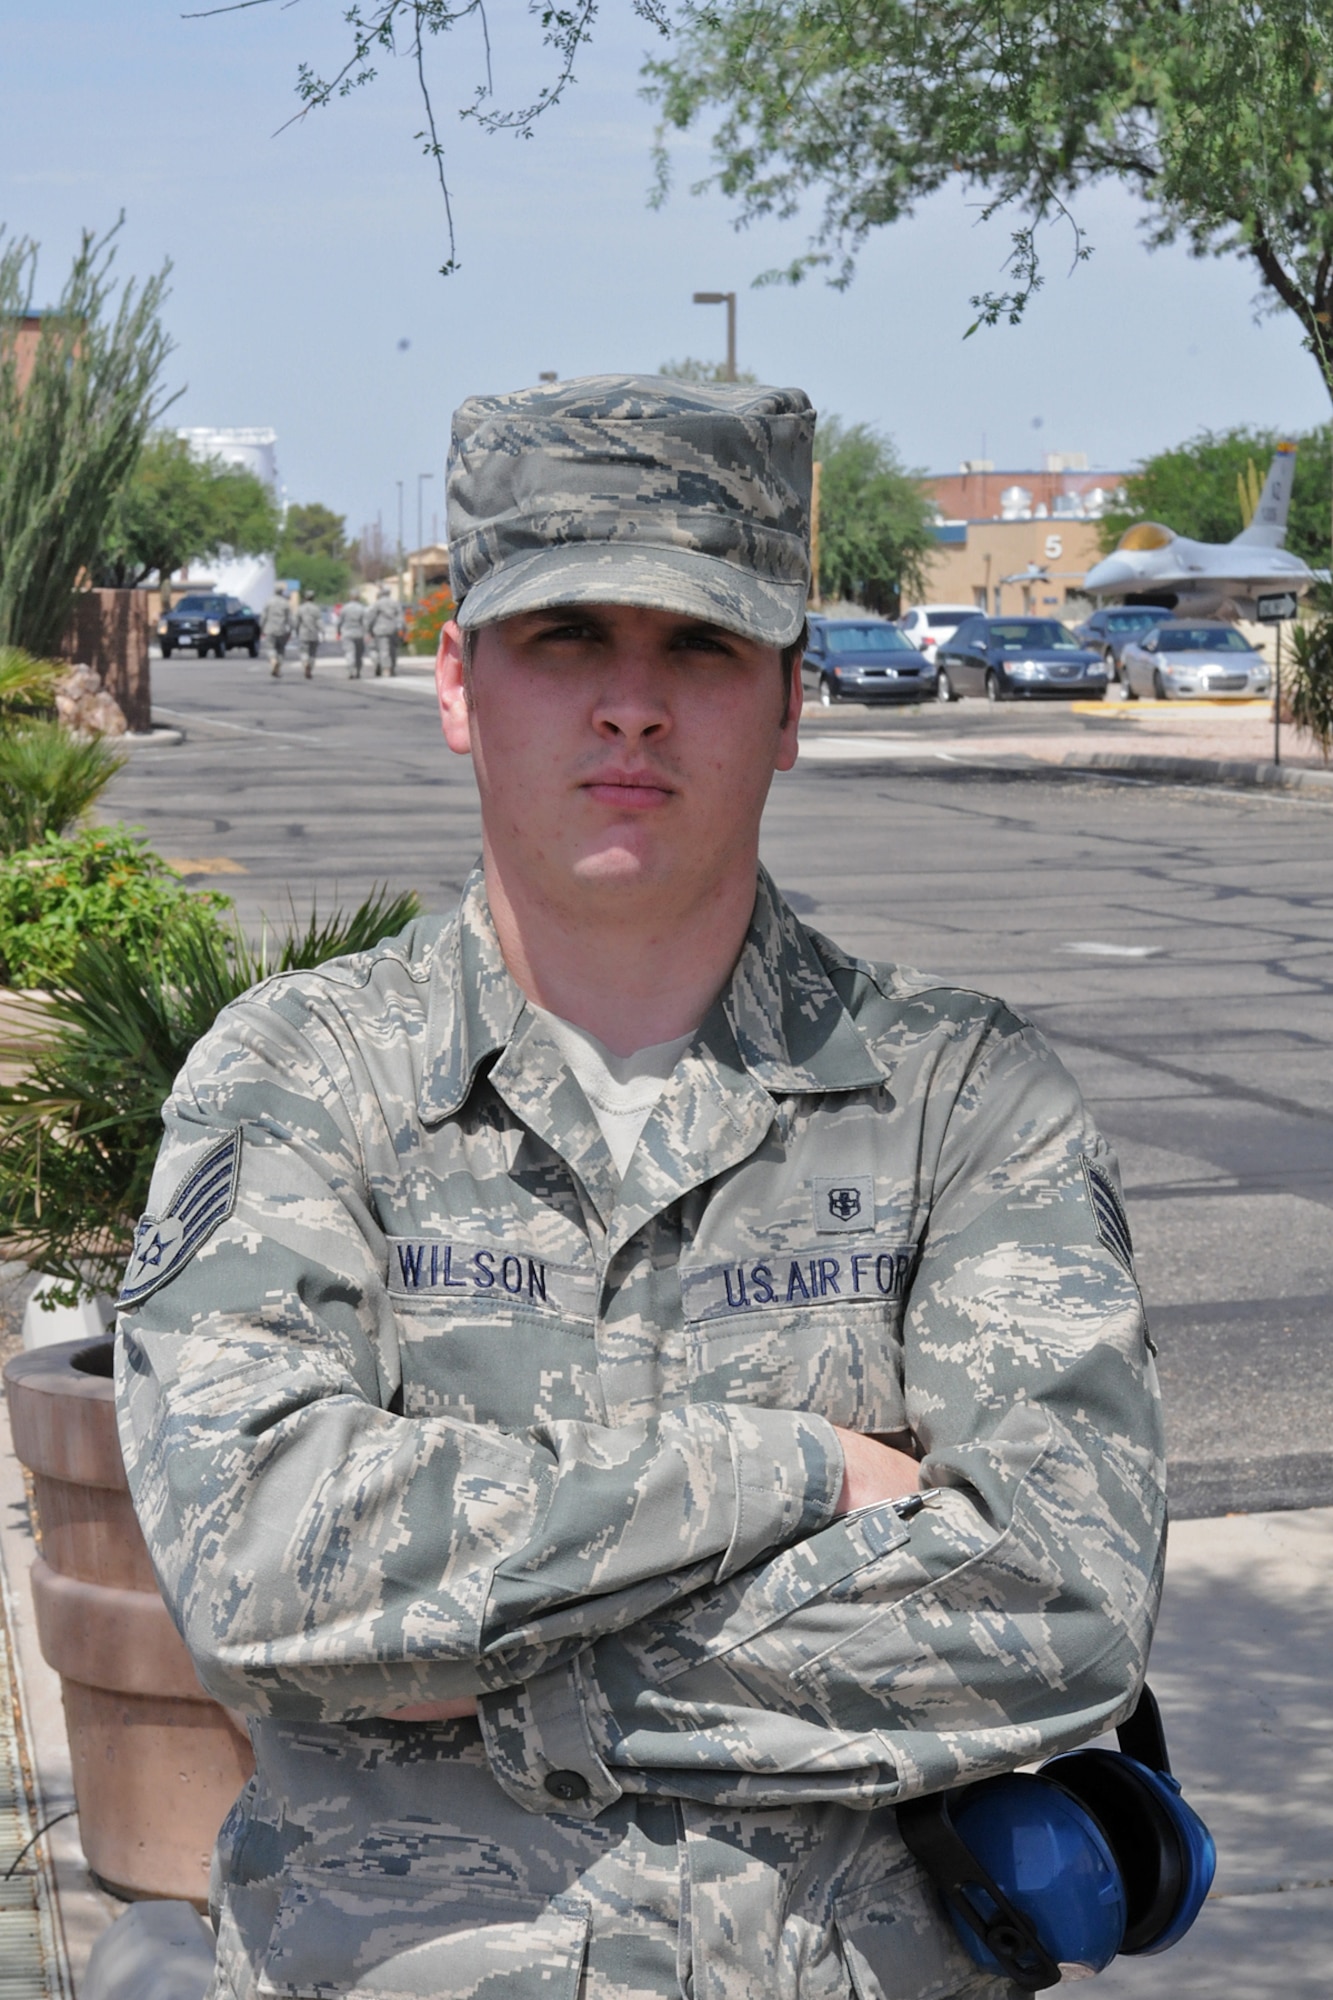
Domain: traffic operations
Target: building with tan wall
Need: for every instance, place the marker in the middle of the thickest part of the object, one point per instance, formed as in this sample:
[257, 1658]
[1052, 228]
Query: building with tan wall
[1032, 566]
[1019, 540]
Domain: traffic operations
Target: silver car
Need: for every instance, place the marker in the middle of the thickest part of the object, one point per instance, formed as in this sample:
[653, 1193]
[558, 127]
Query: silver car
[1193, 657]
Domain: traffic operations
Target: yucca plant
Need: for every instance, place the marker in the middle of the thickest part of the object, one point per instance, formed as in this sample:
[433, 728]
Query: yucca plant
[79, 1130]
[1309, 684]
[48, 780]
[27, 685]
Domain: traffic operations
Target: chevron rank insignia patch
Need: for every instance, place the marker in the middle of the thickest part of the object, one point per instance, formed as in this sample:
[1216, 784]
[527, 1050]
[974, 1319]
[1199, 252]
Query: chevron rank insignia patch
[1108, 1209]
[163, 1244]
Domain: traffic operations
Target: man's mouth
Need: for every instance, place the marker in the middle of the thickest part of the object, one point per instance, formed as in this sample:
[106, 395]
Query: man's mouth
[632, 791]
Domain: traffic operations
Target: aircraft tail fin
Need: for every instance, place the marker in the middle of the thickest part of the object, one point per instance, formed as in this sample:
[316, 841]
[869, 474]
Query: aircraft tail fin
[1267, 526]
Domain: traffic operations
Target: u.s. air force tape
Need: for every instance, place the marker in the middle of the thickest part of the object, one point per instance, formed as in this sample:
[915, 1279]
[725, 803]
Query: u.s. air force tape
[1109, 1213]
[163, 1244]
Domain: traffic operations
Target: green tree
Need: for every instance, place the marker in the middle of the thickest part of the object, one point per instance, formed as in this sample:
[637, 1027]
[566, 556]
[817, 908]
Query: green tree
[874, 519]
[76, 404]
[313, 549]
[1195, 489]
[1219, 114]
[175, 509]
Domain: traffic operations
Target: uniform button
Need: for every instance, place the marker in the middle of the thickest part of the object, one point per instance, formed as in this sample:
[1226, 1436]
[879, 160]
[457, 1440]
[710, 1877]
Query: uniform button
[569, 1786]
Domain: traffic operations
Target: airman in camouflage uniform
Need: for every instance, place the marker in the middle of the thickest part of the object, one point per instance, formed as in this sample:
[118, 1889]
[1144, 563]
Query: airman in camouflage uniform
[353, 624]
[309, 630]
[276, 625]
[425, 1406]
[386, 627]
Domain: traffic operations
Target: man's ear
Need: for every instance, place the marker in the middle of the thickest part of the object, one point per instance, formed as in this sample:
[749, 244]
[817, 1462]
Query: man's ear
[788, 748]
[451, 689]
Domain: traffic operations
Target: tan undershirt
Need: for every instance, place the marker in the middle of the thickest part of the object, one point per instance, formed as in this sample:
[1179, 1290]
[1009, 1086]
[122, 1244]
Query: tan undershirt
[622, 1090]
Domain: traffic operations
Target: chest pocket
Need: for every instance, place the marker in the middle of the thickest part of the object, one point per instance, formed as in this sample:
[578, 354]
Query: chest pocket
[493, 1330]
[804, 1329]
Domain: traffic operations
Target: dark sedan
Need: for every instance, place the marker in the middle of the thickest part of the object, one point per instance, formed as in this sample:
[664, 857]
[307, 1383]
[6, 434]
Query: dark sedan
[1018, 659]
[865, 659]
[1111, 629]
[209, 625]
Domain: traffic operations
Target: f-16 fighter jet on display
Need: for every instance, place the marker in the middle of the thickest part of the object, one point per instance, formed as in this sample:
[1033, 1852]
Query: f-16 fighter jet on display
[1154, 565]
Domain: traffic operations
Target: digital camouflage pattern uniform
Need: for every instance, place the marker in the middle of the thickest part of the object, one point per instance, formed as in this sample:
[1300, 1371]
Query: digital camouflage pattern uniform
[309, 630]
[418, 1401]
[353, 624]
[276, 625]
[385, 628]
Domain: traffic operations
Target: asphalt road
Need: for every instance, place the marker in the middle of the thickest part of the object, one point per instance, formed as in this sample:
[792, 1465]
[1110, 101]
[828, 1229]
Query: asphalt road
[1176, 943]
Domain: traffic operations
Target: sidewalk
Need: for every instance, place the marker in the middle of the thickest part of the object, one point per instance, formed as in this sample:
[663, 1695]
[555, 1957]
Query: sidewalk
[73, 1910]
[1240, 1668]
[1181, 741]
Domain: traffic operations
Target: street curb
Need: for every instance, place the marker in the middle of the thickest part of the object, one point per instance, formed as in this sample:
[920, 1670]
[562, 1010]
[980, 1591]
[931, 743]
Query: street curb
[1204, 770]
[159, 737]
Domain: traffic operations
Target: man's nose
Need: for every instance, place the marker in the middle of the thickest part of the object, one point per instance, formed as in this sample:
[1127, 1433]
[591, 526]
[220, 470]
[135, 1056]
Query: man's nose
[632, 701]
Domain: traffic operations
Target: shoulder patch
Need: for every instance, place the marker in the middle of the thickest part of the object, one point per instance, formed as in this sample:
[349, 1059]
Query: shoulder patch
[1109, 1212]
[164, 1244]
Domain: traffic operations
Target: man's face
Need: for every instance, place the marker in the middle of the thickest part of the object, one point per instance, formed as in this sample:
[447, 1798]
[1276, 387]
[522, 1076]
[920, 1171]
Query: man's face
[619, 752]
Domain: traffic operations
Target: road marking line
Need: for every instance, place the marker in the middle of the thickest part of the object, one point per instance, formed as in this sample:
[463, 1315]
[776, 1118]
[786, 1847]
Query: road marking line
[240, 728]
[206, 864]
[1093, 949]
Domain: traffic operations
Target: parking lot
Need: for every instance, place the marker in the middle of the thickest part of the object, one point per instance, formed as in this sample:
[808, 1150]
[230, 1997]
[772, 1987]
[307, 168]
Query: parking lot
[1176, 943]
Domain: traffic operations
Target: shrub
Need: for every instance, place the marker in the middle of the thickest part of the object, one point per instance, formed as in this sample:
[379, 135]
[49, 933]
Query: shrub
[1308, 688]
[27, 686]
[427, 619]
[48, 780]
[101, 884]
[80, 1132]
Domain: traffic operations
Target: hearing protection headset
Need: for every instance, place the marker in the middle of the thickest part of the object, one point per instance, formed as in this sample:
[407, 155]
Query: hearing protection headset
[1055, 1874]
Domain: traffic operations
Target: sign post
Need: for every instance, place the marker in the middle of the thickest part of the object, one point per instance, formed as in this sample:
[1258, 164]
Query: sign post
[1276, 608]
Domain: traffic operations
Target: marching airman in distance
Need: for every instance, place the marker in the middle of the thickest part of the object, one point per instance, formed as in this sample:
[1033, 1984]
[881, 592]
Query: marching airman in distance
[309, 627]
[353, 625]
[276, 625]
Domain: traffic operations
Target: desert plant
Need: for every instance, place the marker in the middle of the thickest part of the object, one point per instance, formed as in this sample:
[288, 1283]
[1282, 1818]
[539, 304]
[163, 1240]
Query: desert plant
[76, 404]
[1308, 688]
[102, 883]
[48, 780]
[27, 686]
[80, 1131]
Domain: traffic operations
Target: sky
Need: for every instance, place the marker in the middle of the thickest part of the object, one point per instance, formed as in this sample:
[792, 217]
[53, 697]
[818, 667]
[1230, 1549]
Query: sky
[306, 296]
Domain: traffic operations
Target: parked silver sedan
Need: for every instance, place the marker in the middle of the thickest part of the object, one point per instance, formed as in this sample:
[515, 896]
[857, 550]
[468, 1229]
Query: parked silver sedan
[1191, 657]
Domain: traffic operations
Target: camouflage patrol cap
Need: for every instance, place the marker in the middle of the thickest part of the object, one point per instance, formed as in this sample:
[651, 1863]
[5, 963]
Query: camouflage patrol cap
[634, 489]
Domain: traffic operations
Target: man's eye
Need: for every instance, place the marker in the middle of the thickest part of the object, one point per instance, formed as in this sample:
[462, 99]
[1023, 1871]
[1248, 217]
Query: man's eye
[551, 633]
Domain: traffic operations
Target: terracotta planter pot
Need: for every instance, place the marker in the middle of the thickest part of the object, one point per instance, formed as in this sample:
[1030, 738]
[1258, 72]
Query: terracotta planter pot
[157, 1763]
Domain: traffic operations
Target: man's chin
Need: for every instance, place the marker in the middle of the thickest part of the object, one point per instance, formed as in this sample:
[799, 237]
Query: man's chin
[618, 867]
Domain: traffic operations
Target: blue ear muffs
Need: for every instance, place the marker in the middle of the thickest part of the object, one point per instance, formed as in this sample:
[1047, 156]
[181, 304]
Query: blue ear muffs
[1096, 1855]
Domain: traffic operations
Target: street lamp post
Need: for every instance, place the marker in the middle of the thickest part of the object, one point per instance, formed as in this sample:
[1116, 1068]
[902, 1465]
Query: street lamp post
[399, 484]
[727, 299]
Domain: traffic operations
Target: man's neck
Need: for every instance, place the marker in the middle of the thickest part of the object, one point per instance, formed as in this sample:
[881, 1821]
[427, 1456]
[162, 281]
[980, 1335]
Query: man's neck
[631, 972]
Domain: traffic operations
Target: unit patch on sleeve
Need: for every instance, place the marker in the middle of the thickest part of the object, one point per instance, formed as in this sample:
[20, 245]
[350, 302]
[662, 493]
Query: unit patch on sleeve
[163, 1244]
[1107, 1208]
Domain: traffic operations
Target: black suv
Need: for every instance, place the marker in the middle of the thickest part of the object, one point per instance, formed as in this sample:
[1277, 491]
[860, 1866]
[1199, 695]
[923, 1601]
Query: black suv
[865, 659]
[210, 625]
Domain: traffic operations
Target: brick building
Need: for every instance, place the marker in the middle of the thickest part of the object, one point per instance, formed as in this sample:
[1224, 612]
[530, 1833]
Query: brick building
[1018, 540]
